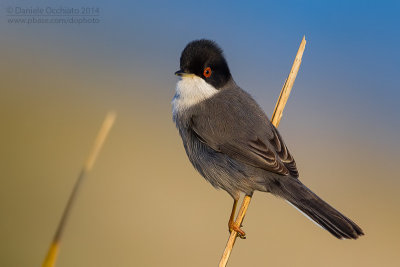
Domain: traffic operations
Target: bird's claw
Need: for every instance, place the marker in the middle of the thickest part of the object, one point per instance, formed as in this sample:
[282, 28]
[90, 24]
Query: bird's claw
[234, 227]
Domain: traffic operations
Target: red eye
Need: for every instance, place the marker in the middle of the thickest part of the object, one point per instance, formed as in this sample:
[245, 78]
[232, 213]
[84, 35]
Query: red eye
[207, 72]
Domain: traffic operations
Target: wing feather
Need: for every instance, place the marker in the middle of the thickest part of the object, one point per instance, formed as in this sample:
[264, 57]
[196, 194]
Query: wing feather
[231, 122]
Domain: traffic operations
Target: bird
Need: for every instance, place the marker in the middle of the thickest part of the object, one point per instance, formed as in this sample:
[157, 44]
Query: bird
[230, 141]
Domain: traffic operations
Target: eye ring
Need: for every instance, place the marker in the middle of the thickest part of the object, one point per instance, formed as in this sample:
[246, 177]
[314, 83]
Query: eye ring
[207, 72]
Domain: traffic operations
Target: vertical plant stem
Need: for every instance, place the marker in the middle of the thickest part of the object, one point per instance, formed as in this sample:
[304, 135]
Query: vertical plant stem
[275, 119]
[52, 253]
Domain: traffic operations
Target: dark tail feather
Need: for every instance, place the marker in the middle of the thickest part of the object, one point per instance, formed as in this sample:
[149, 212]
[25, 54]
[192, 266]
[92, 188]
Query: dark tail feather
[315, 208]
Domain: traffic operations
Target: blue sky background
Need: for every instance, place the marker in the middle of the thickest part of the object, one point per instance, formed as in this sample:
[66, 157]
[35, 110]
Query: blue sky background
[351, 55]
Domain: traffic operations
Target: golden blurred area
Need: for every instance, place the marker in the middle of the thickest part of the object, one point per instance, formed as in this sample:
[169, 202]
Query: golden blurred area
[144, 204]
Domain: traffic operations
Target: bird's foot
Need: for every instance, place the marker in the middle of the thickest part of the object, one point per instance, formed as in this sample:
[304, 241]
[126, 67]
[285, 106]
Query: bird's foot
[234, 227]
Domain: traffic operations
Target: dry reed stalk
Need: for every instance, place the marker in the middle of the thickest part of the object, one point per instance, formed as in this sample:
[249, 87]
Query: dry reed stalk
[52, 253]
[276, 118]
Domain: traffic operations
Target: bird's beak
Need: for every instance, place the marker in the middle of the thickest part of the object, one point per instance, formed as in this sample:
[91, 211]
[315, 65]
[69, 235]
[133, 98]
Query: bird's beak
[181, 73]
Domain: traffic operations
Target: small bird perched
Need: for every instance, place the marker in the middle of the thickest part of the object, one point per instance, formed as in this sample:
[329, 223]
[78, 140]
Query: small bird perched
[231, 142]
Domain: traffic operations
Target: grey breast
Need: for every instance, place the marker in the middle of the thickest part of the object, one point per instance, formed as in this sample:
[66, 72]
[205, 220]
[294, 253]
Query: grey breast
[216, 167]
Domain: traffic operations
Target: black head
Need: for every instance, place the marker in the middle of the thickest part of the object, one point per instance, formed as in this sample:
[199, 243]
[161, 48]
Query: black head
[205, 59]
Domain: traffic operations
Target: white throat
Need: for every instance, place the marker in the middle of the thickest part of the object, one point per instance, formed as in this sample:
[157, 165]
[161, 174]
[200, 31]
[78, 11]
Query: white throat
[190, 91]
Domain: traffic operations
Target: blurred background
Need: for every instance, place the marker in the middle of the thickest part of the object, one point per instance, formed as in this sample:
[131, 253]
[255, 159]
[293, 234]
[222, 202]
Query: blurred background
[144, 204]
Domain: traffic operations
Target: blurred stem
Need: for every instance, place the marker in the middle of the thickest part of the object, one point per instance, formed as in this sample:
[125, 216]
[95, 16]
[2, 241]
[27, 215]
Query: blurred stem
[52, 253]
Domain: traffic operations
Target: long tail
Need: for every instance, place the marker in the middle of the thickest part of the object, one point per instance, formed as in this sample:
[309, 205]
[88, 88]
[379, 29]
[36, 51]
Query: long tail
[315, 208]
